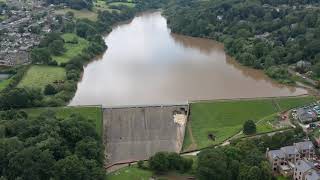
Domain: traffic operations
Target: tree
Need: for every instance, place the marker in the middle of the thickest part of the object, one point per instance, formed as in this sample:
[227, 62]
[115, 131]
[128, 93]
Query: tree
[70, 168]
[56, 47]
[50, 90]
[31, 164]
[89, 148]
[212, 164]
[249, 127]
[40, 56]
[159, 162]
[84, 29]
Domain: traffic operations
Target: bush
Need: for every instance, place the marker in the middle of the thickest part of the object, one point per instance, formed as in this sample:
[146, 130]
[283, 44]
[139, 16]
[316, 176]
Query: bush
[141, 164]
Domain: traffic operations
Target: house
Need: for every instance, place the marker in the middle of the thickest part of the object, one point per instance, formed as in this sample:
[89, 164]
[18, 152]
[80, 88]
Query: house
[306, 170]
[292, 153]
[306, 115]
[303, 66]
[306, 149]
[301, 169]
[276, 158]
[313, 175]
[287, 160]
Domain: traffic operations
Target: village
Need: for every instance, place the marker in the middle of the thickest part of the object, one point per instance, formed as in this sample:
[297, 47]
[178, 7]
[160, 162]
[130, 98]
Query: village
[300, 161]
[22, 26]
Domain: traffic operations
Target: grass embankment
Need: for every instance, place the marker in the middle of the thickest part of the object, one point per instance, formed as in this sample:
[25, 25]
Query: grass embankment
[224, 119]
[99, 5]
[92, 113]
[74, 45]
[38, 76]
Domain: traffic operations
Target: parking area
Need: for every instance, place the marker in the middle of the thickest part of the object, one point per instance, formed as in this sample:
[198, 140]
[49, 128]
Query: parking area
[136, 133]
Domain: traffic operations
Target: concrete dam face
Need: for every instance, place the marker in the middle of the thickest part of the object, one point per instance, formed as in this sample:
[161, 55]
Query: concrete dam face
[136, 133]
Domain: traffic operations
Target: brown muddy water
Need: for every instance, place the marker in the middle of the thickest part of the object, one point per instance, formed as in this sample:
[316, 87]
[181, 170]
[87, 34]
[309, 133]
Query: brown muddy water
[145, 64]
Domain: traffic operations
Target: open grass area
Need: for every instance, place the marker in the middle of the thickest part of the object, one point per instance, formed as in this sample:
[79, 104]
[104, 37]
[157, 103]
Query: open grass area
[38, 76]
[92, 113]
[289, 103]
[79, 14]
[74, 46]
[224, 119]
[129, 4]
[135, 173]
[130, 173]
[4, 83]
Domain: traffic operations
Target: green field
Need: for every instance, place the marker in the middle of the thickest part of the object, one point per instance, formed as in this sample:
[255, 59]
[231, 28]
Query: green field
[4, 83]
[130, 173]
[72, 49]
[288, 103]
[224, 119]
[122, 3]
[91, 113]
[79, 14]
[38, 76]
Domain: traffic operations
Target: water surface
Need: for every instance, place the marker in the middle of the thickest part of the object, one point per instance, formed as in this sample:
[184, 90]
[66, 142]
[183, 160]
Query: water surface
[146, 64]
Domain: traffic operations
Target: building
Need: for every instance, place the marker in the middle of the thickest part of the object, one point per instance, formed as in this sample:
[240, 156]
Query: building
[312, 175]
[306, 170]
[276, 159]
[292, 153]
[306, 115]
[285, 159]
[306, 149]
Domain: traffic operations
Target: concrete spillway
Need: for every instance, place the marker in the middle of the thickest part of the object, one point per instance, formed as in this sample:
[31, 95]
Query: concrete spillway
[132, 134]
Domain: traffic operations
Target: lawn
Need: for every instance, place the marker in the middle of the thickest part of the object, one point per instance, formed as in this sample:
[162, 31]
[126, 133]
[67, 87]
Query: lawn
[135, 173]
[72, 49]
[224, 119]
[92, 113]
[38, 76]
[293, 102]
[79, 14]
[4, 83]
[130, 173]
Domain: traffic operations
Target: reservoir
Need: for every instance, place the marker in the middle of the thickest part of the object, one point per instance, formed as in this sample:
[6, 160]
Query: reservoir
[146, 64]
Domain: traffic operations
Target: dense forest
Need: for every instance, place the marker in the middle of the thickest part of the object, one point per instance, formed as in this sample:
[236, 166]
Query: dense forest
[264, 34]
[49, 148]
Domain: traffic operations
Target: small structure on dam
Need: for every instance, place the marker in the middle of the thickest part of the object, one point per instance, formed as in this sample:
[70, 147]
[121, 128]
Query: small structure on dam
[136, 133]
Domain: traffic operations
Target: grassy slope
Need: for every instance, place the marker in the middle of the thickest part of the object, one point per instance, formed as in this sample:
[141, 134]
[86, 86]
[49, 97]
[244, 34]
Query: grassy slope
[130, 173]
[225, 118]
[91, 113]
[39, 76]
[72, 50]
[288, 103]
